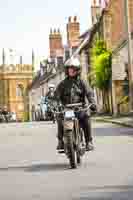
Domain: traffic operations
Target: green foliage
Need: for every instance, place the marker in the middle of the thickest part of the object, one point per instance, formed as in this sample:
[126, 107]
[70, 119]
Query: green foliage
[26, 117]
[98, 48]
[124, 100]
[100, 75]
[101, 65]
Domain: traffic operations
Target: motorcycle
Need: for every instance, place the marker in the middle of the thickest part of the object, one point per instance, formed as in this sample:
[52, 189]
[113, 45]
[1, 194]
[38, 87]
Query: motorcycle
[53, 113]
[50, 113]
[74, 144]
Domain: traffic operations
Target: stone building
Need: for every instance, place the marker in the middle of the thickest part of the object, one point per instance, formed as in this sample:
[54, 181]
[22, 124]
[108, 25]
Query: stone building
[112, 28]
[116, 35]
[14, 82]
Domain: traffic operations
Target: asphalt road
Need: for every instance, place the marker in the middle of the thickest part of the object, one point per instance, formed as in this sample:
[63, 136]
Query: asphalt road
[31, 169]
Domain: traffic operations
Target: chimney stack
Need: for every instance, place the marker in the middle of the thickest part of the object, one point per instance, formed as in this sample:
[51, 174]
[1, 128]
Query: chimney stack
[95, 10]
[73, 32]
[100, 3]
[94, 2]
[55, 43]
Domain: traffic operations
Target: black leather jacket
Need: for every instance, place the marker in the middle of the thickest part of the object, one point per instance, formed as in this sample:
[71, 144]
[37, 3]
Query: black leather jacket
[73, 90]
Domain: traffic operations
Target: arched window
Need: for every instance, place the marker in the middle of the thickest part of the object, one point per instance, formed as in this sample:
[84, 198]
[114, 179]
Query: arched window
[20, 90]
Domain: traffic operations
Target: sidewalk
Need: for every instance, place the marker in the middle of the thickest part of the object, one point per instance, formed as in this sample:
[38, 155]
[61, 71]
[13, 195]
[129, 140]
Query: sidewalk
[122, 120]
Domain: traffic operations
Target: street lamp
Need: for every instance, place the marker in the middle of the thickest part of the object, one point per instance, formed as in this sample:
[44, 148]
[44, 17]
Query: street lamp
[130, 55]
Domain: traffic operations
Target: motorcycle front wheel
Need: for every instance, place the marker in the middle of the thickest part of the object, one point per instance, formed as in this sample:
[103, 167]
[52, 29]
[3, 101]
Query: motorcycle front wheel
[70, 150]
[78, 157]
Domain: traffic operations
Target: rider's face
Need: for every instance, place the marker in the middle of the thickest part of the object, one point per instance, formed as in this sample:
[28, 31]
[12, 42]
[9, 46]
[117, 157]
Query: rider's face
[72, 72]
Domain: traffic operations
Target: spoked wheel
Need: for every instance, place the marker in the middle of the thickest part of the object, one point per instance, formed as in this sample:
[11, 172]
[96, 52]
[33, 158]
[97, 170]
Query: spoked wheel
[71, 151]
[78, 157]
[54, 119]
[79, 148]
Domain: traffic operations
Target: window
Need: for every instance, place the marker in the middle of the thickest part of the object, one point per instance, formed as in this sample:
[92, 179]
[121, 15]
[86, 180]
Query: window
[19, 90]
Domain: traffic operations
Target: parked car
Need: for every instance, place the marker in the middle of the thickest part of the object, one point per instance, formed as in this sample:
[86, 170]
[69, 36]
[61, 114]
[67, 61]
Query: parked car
[2, 119]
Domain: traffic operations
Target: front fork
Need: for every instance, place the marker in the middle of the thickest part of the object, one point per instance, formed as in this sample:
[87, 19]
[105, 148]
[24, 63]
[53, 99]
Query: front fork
[72, 132]
[68, 137]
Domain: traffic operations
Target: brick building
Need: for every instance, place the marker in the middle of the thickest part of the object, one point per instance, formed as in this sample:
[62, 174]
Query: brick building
[113, 29]
[73, 33]
[116, 20]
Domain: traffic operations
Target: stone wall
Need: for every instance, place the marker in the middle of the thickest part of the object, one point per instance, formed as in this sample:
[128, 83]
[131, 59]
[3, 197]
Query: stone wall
[119, 65]
[131, 13]
[118, 22]
[119, 61]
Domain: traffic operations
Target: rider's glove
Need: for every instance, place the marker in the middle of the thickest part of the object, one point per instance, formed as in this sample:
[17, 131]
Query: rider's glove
[93, 108]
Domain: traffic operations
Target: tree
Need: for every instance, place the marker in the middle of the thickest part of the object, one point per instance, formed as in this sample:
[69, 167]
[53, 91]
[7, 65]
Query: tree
[100, 75]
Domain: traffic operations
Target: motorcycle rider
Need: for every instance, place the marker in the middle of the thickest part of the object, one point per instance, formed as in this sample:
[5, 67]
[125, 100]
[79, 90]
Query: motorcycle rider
[49, 97]
[74, 90]
[50, 94]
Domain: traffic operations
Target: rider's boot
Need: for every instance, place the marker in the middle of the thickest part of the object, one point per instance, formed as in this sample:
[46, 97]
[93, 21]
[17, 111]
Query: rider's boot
[60, 145]
[89, 146]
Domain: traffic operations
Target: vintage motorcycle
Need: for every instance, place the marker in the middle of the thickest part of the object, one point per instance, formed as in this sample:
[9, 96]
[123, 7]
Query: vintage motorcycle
[74, 144]
[50, 113]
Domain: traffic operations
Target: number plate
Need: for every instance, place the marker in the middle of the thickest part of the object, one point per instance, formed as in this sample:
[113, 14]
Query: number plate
[69, 114]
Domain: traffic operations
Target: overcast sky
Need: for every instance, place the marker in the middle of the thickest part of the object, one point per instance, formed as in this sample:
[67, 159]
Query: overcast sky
[25, 24]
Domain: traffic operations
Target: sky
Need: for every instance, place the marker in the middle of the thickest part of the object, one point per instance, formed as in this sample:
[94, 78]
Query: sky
[25, 24]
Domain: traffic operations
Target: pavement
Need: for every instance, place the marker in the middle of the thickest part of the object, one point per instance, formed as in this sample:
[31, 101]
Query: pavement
[31, 169]
[126, 121]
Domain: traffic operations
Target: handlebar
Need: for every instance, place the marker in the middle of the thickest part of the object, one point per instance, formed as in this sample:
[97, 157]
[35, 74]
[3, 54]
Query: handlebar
[77, 105]
[73, 105]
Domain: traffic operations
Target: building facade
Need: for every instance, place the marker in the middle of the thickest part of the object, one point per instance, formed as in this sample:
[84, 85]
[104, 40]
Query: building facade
[115, 27]
[14, 83]
[117, 17]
